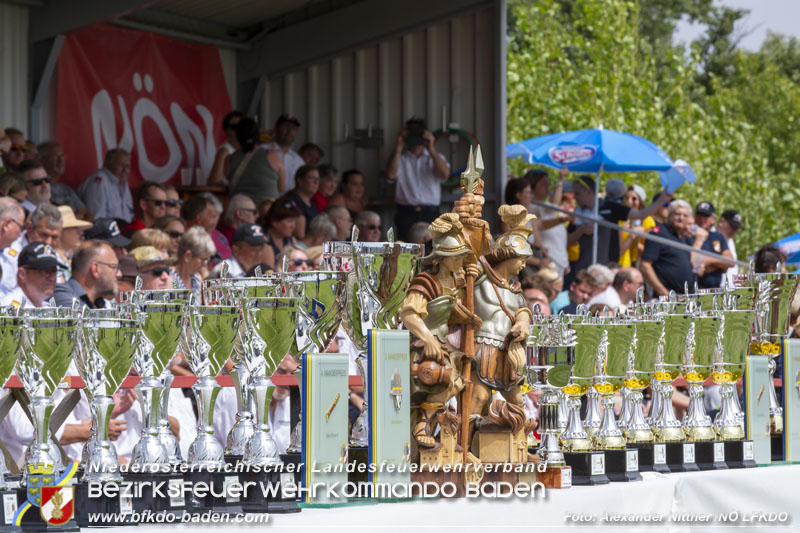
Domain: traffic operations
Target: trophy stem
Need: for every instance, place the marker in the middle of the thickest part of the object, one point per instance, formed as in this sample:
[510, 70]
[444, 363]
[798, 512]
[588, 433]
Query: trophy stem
[775, 409]
[165, 435]
[726, 423]
[563, 411]
[666, 427]
[103, 464]
[637, 429]
[608, 436]
[625, 412]
[261, 448]
[697, 423]
[243, 429]
[593, 415]
[206, 452]
[39, 453]
[549, 450]
[574, 438]
[149, 452]
[655, 402]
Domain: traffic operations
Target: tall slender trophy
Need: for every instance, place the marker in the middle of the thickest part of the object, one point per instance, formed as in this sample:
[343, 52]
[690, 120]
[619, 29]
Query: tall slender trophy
[588, 466]
[207, 345]
[669, 361]
[551, 352]
[701, 347]
[10, 332]
[639, 373]
[270, 322]
[104, 359]
[622, 463]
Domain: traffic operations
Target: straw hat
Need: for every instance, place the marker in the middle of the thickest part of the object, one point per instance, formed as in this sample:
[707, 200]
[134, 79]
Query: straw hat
[69, 220]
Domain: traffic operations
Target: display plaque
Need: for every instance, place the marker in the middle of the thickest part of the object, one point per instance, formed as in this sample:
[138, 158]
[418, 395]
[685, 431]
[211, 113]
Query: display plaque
[757, 418]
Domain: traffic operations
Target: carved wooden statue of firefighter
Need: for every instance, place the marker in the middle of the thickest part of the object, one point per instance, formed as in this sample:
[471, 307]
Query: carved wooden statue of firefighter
[433, 312]
[500, 340]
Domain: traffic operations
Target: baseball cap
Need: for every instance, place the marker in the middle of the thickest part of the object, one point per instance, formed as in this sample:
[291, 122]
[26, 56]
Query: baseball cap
[106, 229]
[288, 117]
[69, 220]
[249, 233]
[705, 209]
[38, 256]
[733, 217]
[639, 190]
[148, 255]
[615, 188]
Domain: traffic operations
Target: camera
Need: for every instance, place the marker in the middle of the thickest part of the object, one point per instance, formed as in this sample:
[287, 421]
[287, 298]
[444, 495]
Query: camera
[415, 129]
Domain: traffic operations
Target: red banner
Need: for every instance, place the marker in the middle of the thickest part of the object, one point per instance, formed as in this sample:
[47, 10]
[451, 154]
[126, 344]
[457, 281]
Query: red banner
[161, 99]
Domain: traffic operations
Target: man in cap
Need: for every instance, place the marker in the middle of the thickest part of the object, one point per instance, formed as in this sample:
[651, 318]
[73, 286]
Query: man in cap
[43, 226]
[285, 132]
[247, 250]
[419, 171]
[36, 276]
[153, 268]
[95, 271]
[107, 229]
[730, 222]
[709, 269]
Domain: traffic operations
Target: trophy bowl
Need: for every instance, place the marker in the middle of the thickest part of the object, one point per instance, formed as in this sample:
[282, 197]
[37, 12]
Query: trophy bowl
[320, 309]
[10, 334]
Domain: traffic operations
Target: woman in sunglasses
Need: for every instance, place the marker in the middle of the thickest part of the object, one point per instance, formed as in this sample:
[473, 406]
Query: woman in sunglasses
[174, 227]
[298, 261]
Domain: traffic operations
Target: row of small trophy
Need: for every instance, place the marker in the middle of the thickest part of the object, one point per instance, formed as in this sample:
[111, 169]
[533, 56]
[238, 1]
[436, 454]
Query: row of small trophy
[707, 334]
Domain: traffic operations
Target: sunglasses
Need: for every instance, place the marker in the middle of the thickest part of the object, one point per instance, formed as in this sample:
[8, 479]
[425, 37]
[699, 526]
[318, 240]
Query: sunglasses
[157, 272]
[157, 203]
[175, 234]
[39, 181]
[373, 227]
[174, 203]
[19, 147]
[298, 262]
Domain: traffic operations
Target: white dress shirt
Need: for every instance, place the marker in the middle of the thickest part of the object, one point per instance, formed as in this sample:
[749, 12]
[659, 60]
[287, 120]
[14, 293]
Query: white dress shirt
[105, 197]
[417, 182]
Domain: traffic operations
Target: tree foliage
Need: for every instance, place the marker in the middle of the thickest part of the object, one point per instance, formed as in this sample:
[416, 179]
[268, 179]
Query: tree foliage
[731, 114]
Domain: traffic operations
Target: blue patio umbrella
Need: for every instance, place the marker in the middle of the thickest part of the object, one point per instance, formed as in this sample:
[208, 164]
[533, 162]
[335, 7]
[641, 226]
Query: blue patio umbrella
[592, 150]
[791, 247]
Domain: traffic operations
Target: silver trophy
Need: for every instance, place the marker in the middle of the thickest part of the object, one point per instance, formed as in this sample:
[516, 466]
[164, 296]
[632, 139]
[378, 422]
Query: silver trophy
[321, 311]
[271, 322]
[588, 335]
[104, 360]
[247, 360]
[10, 332]
[551, 354]
[640, 369]
[698, 362]
[610, 372]
[161, 315]
[48, 344]
[207, 344]
[376, 287]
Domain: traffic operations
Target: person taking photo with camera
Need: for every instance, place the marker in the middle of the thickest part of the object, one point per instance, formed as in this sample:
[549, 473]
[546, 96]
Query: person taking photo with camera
[418, 169]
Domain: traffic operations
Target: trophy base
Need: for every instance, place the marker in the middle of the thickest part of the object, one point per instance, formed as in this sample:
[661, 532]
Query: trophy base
[681, 457]
[739, 454]
[555, 477]
[623, 465]
[156, 500]
[8, 498]
[710, 455]
[217, 499]
[116, 511]
[588, 468]
[264, 497]
[233, 459]
[295, 459]
[358, 455]
[777, 448]
[652, 456]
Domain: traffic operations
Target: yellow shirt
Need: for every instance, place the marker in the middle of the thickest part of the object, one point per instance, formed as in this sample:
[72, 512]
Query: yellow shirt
[629, 256]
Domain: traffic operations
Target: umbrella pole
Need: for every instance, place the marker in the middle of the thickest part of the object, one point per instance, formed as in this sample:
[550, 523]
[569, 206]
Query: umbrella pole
[596, 213]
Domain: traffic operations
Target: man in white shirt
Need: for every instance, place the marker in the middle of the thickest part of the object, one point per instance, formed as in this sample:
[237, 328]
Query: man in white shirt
[106, 192]
[729, 224]
[43, 226]
[285, 132]
[419, 171]
[622, 291]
